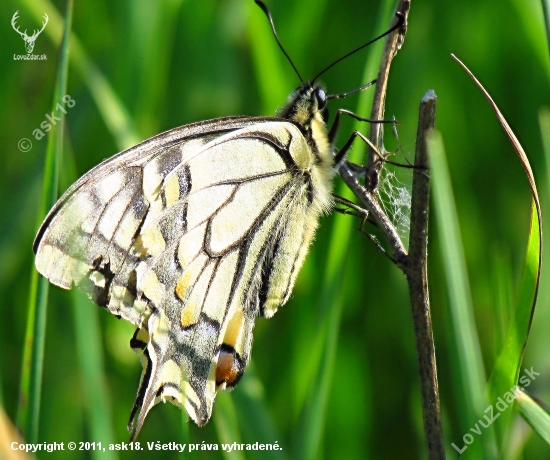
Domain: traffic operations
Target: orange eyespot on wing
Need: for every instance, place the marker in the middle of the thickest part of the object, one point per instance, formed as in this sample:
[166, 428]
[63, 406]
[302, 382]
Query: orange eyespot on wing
[229, 368]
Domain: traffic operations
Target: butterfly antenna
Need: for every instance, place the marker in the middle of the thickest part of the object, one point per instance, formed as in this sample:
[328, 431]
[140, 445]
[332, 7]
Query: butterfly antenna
[395, 27]
[353, 91]
[265, 9]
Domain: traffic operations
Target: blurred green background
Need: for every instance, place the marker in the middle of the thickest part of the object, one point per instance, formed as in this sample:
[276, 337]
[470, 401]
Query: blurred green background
[173, 62]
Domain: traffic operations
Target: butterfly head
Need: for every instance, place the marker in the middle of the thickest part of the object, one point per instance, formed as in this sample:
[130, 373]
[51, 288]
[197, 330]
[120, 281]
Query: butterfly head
[307, 104]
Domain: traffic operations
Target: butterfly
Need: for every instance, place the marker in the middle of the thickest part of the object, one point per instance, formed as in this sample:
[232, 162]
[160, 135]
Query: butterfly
[191, 235]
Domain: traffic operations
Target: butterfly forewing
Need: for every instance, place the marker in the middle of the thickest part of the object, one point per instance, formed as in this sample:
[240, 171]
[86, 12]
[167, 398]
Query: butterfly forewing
[190, 236]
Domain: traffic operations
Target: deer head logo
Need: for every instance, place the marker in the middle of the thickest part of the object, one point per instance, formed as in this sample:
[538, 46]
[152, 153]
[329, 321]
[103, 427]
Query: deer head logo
[29, 41]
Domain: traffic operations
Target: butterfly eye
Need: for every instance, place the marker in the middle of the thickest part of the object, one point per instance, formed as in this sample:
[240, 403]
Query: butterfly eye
[321, 99]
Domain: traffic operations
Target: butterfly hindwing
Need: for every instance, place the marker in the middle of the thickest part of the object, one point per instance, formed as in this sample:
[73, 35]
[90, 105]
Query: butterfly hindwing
[190, 236]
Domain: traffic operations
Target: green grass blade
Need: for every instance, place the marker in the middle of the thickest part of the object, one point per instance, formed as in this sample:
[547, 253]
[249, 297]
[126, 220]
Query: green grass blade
[33, 357]
[272, 73]
[8, 435]
[98, 406]
[470, 370]
[184, 435]
[33, 353]
[153, 30]
[322, 356]
[546, 9]
[227, 425]
[300, 30]
[112, 110]
[502, 296]
[506, 371]
[96, 401]
[507, 368]
[532, 23]
[256, 422]
[544, 122]
[535, 415]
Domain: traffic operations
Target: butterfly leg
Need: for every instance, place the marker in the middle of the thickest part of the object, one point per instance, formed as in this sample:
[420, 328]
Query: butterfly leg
[374, 240]
[356, 169]
[341, 155]
[357, 210]
[363, 214]
[336, 123]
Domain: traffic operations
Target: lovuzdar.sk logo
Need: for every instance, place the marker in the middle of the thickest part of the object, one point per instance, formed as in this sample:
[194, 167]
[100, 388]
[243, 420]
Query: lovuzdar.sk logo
[29, 40]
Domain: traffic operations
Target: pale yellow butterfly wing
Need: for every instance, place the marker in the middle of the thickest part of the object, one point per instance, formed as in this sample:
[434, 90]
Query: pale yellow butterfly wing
[190, 236]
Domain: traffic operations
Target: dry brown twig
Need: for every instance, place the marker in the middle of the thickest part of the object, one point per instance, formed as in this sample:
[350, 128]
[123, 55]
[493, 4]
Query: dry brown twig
[414, 263]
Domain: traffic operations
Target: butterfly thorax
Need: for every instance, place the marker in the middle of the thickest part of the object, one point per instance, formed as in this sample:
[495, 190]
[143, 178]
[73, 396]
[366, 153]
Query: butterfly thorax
[304, 107]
